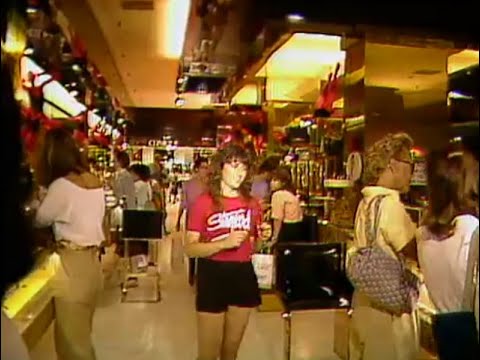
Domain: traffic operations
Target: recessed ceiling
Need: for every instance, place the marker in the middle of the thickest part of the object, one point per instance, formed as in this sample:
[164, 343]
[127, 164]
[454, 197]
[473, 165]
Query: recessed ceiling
[461, 60]
[405, 68]
[305, 55]
[146, 46]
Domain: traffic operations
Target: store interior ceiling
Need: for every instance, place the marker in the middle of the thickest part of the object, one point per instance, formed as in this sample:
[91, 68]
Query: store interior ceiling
[147, 39]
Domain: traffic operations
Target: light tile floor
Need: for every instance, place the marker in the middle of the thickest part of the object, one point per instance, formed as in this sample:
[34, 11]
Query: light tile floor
[167, 331]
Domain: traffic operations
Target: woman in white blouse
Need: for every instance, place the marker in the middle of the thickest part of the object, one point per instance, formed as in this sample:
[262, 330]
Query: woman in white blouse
[75, 206]
[448, 227]
[287, 213]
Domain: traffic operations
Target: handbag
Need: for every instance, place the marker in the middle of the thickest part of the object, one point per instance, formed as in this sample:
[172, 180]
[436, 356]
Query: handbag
[456, 333]
[264, 267]
[383, 279]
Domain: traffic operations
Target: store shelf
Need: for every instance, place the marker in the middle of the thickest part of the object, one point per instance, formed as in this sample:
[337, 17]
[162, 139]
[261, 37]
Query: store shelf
[337, 184]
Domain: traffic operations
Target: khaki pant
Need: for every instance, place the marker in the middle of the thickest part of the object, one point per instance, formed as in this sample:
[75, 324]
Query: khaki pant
[76, 286]
[377, 335]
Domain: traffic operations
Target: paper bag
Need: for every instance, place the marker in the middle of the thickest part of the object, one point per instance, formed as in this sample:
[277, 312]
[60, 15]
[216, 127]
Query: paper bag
[264, 266]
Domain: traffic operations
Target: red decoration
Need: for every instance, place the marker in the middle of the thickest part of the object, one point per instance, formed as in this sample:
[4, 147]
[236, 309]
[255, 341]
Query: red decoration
[331, 92]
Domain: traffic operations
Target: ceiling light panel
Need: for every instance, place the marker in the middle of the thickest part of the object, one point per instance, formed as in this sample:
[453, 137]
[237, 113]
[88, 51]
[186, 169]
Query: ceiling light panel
[305, 56]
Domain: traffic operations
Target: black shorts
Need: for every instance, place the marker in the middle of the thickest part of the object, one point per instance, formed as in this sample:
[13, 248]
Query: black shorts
[223, 284]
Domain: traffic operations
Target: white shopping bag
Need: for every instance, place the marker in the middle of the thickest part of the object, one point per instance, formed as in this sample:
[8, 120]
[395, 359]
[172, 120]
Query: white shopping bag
[264, 266]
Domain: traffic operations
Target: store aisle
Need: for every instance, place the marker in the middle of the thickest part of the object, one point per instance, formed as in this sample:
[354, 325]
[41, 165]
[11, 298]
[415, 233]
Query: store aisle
[167, 331]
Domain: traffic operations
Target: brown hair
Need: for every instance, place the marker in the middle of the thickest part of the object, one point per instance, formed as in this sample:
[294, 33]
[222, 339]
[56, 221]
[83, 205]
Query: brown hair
[123, 159]
[450, 192]
[284, 176]
[60, 156]
[222, 157]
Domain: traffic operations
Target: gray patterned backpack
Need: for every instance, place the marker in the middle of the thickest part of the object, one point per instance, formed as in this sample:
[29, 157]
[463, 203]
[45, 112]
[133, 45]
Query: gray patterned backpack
[376, 274]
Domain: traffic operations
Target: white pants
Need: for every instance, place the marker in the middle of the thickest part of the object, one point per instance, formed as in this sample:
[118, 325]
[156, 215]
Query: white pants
[76, 286]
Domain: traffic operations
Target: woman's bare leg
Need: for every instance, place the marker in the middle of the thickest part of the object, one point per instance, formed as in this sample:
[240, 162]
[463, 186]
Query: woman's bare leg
[210, 334]
[236, 320]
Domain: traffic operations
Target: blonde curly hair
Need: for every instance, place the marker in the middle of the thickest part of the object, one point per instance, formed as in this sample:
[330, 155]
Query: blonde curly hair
[378, 156]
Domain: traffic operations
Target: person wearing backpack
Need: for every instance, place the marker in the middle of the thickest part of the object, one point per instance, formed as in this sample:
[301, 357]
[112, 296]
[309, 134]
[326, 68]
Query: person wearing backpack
[383, 323]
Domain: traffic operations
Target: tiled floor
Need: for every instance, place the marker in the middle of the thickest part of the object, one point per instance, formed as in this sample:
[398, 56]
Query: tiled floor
[167, 331]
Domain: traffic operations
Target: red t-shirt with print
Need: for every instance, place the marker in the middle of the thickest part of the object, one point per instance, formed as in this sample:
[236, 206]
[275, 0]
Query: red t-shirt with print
[215, 225]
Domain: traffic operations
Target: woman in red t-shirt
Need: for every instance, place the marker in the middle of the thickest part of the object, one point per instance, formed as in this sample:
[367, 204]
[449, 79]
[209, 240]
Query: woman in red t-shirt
[221, 232]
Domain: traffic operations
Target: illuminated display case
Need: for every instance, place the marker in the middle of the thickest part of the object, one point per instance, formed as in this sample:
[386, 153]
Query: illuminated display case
[29, 302]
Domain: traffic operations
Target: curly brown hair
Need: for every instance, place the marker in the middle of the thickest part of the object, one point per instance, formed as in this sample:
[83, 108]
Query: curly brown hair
[222, 157]
[378, 156]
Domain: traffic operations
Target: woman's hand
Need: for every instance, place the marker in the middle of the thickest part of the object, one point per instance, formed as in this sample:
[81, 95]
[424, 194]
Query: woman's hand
[235, 239]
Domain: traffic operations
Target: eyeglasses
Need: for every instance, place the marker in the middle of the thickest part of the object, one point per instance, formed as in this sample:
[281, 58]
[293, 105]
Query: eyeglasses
[409, 162]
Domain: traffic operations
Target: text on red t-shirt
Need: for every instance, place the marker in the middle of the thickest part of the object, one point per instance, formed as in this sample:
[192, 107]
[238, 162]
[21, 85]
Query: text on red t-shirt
[214, 224]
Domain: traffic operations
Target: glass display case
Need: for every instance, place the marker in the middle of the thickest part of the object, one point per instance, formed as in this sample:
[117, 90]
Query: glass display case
[29, 303]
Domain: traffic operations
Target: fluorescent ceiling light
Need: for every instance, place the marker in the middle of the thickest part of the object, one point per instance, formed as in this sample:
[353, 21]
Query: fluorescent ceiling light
[457, 95]
[41, 79]
[173, 21]
[462, 60]
[295, 18]
[28, 65]
[58, 95]
[52, 91]
[305, 56]
[52, 112]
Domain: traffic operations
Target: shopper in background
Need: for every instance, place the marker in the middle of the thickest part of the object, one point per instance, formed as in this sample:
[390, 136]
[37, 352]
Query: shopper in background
[174, 187]
[17, 241]
[158, 195]
[446, 232]
[221, 232]
[123, 182]
[444, 244]
[159, 184]
[287, 213]
[143, 189]
[376, 334]
[261, 182]
[75, 206]
[158, 172]
[191, 190]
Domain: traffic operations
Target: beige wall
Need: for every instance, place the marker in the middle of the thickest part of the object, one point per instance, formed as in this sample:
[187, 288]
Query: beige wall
[404, 88]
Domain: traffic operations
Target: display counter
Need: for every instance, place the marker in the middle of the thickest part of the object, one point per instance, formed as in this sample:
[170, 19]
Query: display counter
[29, 303]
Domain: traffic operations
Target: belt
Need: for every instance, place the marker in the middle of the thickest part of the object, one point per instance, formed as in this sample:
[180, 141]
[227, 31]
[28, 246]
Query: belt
[71, 246]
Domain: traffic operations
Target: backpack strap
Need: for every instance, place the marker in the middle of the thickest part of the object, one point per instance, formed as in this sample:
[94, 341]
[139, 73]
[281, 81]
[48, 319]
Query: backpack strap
[372, 227]
[472, 273]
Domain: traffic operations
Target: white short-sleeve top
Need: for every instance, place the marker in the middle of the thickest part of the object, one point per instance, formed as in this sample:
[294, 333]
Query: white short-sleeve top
[76, 213]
